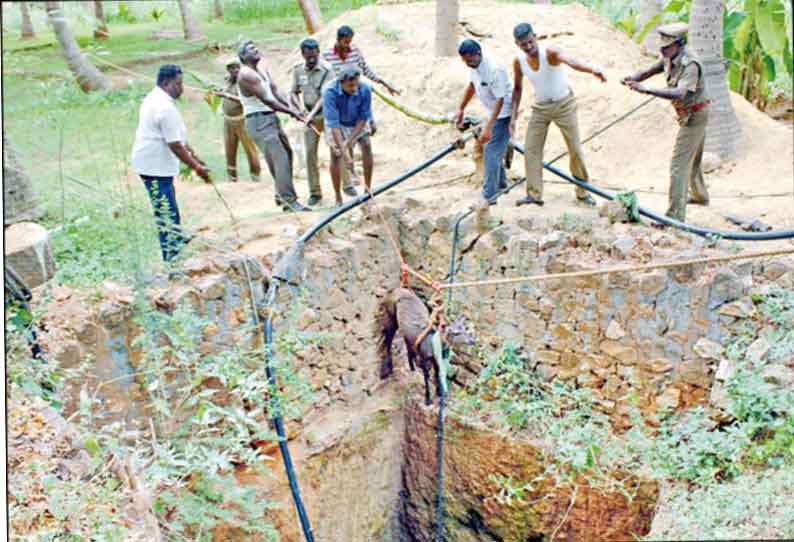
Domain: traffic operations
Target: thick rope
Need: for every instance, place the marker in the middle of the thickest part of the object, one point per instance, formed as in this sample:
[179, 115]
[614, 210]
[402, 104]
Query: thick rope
[620, 269]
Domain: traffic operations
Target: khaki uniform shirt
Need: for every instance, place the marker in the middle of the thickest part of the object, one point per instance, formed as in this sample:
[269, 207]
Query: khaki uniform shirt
[310, 82]
[232, 108]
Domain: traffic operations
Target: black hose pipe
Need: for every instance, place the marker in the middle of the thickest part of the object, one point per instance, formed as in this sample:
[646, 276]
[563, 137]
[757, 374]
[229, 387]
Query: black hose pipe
[667, 221]
[283, 275]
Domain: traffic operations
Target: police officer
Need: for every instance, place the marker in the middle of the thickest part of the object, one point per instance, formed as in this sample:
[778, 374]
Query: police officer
[234, 132]
[308, 79]
[686, 89]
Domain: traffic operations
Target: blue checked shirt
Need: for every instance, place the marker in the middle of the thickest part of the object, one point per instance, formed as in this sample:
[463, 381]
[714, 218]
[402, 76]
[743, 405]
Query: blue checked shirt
[341, 109]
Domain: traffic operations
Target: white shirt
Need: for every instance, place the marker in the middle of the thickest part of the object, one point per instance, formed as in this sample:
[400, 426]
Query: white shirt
[159, 123]
[492, 82]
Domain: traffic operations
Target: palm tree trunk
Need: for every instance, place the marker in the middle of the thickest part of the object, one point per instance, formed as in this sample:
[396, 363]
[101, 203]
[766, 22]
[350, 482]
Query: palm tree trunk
[27, 25]
[101, 31]
[311, 15]
[88, 76]
[218, 8]
[19, 204]
[648, 10]
[192, 32]
[723, 134]
[447, 14]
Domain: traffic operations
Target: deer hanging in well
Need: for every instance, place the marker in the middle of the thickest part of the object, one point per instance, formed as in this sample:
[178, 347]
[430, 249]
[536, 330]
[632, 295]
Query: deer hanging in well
[402, 309]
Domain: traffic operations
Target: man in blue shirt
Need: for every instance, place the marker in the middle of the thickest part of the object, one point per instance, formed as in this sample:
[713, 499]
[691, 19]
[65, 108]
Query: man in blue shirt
[347, 108]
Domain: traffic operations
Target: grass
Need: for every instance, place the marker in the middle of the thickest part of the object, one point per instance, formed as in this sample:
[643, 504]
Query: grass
[57, 129]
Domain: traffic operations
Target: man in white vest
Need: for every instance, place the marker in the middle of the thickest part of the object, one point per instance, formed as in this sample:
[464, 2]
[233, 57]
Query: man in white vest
[261, 100]
[544, 66]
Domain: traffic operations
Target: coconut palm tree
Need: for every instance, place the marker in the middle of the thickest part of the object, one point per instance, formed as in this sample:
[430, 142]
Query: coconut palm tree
[447, 13]
[311, 15]
[648, 10]
[88, 76]
[101, 31]
[218, 8]
[18, 201]
[27, 25]
[192, 32]
[723, 134]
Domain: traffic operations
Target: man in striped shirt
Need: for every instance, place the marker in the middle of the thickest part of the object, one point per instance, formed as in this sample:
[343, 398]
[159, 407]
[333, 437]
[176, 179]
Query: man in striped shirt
[346, 55]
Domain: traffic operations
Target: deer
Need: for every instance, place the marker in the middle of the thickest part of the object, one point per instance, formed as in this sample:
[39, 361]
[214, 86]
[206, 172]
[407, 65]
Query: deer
[402, 309]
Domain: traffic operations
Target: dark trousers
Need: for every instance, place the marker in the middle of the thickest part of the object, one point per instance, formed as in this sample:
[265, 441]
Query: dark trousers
[166, 214]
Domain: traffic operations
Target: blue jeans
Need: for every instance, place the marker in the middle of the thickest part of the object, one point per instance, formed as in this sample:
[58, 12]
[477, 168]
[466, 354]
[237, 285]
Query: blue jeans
[166, 214]
[494, 151]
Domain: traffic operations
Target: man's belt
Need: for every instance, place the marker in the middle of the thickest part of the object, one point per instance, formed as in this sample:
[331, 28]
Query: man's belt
[254, 114]
[234, 117]
[692, 109]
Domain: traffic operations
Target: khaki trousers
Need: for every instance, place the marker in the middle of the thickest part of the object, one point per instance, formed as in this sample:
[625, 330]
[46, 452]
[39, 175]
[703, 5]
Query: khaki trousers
[312, 141]
[686, 166]
[234, 134]
[563, 114]
[266, 132]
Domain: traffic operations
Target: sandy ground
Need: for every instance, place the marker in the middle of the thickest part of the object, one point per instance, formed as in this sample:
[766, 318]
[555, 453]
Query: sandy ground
[398, 40]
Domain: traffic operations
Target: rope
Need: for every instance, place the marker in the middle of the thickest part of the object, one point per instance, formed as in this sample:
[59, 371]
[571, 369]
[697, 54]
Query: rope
[620, 269]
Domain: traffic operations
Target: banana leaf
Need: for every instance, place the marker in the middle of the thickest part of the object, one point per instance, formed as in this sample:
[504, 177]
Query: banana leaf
[770, 24]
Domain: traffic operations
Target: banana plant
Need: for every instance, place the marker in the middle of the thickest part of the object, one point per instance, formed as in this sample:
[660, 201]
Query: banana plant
[754, 38]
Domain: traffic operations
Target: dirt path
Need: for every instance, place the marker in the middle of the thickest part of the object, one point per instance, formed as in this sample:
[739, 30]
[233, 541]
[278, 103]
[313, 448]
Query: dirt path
[632, 155]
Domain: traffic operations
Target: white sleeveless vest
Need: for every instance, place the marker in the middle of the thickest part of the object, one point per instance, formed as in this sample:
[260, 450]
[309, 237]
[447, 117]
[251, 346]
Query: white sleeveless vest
[550, 82]
[252, 104]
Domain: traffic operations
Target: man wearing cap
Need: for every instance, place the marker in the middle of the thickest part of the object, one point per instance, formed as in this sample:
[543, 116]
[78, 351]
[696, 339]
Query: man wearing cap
[686, 89]
[308, 79]
[234, 132]
[261, 99]
[544, 66]
[491, 82]
[347, 107]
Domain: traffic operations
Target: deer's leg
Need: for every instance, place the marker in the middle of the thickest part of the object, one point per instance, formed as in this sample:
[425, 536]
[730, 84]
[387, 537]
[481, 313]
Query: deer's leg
[386, 366]
[426, 373]
[411, 354]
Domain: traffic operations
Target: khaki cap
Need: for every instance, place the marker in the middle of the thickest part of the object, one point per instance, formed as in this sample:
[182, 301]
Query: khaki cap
[670, 33]
[233, 61]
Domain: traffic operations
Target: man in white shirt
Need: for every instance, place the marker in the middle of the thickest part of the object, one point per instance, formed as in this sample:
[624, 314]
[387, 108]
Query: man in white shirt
[491, 82]
[160, 144]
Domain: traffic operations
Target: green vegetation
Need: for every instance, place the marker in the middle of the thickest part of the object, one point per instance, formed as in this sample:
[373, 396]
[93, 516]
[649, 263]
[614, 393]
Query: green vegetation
[756, 39]
[755, 432]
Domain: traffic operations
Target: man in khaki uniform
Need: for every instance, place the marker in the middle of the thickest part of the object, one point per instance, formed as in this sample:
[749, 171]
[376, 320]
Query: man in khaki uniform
[686, 89]
[308, 79]
[234, 128]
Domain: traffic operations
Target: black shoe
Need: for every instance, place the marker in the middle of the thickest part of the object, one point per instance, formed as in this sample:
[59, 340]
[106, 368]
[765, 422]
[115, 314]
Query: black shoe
[587, 200]
[296, 207]
[314, 200]
[529, 200]
[350, 191]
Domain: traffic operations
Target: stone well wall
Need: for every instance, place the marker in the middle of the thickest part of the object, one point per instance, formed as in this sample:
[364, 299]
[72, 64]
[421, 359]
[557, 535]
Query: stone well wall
[656, 333]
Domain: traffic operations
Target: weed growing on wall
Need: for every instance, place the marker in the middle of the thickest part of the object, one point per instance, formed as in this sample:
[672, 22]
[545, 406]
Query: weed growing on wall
[753, 431]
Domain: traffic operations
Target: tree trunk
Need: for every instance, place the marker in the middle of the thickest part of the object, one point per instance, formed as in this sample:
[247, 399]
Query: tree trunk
[312, 15]
[723, 134]
[88, 77]
[648, 10]
[218, 9]
[27, 25]
[543, 1]
[101, 31]
[447, 12]
[18, 202]
[192, 32]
